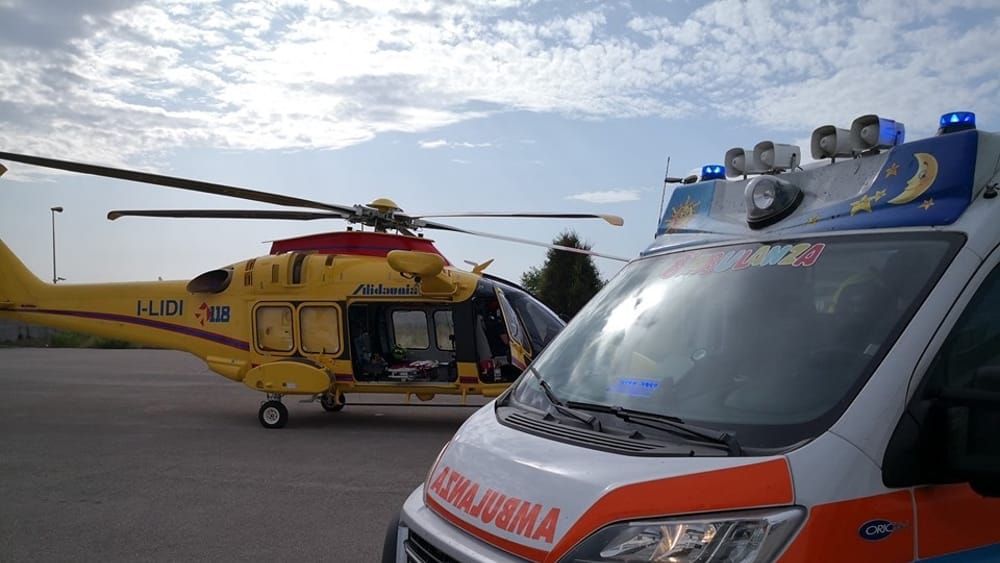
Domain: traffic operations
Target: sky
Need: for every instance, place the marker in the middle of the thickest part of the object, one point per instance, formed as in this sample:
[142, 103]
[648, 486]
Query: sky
[460, 105]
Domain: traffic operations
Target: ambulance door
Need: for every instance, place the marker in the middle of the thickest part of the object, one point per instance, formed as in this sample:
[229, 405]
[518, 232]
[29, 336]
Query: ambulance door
[951, 517]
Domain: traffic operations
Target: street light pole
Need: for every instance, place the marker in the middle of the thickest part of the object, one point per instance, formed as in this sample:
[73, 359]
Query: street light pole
[55, 278]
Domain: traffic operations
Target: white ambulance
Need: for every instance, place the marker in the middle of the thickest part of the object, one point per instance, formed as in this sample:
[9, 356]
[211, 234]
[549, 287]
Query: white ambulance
[803, 367]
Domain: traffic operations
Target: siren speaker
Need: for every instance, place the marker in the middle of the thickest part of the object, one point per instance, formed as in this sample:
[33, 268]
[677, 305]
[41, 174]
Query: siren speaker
[829, 141]
[739, 161]
[776, 156]
[874, 132]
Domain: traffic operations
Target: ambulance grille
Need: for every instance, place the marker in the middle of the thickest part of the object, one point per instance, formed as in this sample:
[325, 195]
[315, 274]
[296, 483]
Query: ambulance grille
[589, 438]
[419, 550]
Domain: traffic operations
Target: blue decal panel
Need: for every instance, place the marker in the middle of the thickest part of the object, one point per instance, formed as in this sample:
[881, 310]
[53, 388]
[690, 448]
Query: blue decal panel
[927, 182]
[923, 183]
[686, 204]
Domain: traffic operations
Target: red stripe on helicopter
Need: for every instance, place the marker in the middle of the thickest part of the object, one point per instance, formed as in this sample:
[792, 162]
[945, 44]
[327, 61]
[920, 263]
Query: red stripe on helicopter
[355, 243]
[468, 380]
[188, 331]
[344, 377]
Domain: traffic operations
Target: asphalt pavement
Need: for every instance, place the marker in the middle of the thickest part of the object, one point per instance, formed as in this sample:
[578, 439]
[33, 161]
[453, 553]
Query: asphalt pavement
[145, 455]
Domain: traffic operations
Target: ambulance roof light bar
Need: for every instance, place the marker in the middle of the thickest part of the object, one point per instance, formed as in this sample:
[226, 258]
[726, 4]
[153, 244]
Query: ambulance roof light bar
[956, 121]
[713, 172]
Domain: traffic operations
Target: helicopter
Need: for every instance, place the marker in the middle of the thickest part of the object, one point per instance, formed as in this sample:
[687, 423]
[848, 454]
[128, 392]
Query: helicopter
[321, 316]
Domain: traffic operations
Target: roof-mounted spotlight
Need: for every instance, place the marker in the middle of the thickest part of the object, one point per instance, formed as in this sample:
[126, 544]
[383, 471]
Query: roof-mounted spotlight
[829, 141]
[713, 172]
[956, 121]
[873, 132]
[776, 157]
[740, 162]
[770, 199]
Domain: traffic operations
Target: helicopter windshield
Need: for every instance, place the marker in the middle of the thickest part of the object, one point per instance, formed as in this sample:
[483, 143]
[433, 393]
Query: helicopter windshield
[767, 341]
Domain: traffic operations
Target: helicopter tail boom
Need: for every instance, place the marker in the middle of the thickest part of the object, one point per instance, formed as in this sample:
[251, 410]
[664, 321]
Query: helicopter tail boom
[18, 286]
[149, 313]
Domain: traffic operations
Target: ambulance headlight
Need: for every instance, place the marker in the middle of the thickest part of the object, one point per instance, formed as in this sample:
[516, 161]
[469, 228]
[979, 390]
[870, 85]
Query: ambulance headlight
[734, 537]
[770, 199]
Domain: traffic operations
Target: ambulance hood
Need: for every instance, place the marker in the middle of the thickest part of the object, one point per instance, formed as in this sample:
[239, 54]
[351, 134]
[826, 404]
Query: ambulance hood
[536, 497]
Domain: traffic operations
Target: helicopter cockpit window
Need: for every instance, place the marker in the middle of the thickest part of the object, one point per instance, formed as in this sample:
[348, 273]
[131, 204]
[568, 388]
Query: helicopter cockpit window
[410, 329]
[320, 329]
[444, 330]
[274, 328]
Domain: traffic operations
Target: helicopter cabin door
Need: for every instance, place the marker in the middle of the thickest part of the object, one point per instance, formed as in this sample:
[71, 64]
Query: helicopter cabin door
[402, 342]
[520, 348]
[284, 329]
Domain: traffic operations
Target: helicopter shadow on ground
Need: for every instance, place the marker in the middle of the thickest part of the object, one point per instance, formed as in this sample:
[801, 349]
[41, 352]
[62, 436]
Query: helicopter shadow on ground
[399, 419]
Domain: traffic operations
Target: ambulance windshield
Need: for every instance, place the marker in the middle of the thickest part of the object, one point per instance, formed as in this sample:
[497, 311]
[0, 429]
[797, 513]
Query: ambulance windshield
[770, 342]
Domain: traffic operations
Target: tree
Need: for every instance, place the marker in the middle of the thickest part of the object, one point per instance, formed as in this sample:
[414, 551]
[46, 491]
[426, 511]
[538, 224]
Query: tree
[567, 280]
[532, 280]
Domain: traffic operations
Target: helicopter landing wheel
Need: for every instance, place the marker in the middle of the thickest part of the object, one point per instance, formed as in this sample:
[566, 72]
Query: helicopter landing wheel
[330, 404]
[273, 414]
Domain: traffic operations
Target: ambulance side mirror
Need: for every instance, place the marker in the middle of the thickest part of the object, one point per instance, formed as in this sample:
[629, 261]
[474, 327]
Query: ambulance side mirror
[972, 423]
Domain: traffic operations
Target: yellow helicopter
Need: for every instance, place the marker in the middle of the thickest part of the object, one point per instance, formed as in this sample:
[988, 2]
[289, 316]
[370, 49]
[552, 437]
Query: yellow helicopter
[324, 315]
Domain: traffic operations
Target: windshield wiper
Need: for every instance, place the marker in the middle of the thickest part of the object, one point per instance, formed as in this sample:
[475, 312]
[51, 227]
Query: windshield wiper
[560, 406]
[665, 422]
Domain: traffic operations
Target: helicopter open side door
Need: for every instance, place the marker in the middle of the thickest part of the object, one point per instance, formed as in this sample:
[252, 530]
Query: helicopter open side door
[520, 348]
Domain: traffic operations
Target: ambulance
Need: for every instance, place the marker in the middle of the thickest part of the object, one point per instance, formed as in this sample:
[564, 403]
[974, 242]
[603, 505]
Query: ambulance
[804, 366]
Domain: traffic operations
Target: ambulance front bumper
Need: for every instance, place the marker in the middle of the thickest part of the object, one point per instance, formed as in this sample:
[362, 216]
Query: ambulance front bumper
[424, 537]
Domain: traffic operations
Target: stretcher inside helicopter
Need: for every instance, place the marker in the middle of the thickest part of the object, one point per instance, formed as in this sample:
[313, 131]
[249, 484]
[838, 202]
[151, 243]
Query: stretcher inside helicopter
[403, 342]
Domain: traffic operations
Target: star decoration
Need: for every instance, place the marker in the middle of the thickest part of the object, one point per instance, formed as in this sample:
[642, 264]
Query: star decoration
[812, 220]
[863, 204]
[927, 204]
[892, 170]
[878, 195]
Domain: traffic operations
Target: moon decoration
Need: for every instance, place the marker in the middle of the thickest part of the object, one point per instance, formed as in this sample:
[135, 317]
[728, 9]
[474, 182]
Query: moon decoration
[927, 169]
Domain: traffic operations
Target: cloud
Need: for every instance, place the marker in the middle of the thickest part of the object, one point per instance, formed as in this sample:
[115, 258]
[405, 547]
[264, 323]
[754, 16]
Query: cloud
[47, 25]
[113, 79]
[608, 196]
[442, 143]
[433, 144]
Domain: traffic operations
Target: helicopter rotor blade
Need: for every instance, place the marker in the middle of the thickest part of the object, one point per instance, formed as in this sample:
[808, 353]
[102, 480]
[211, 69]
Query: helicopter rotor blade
[611, 219]
[440, 226]
[175, 182]
[223, 214]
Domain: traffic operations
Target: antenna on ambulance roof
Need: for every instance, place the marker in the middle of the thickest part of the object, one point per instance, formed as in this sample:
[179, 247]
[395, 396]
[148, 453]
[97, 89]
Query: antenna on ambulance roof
[663, 194]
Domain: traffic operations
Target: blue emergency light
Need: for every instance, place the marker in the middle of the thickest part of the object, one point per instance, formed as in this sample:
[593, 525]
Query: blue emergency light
[713, 172]
[956, 121]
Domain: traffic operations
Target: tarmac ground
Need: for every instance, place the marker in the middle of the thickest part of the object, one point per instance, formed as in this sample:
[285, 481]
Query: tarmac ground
[146, 455]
